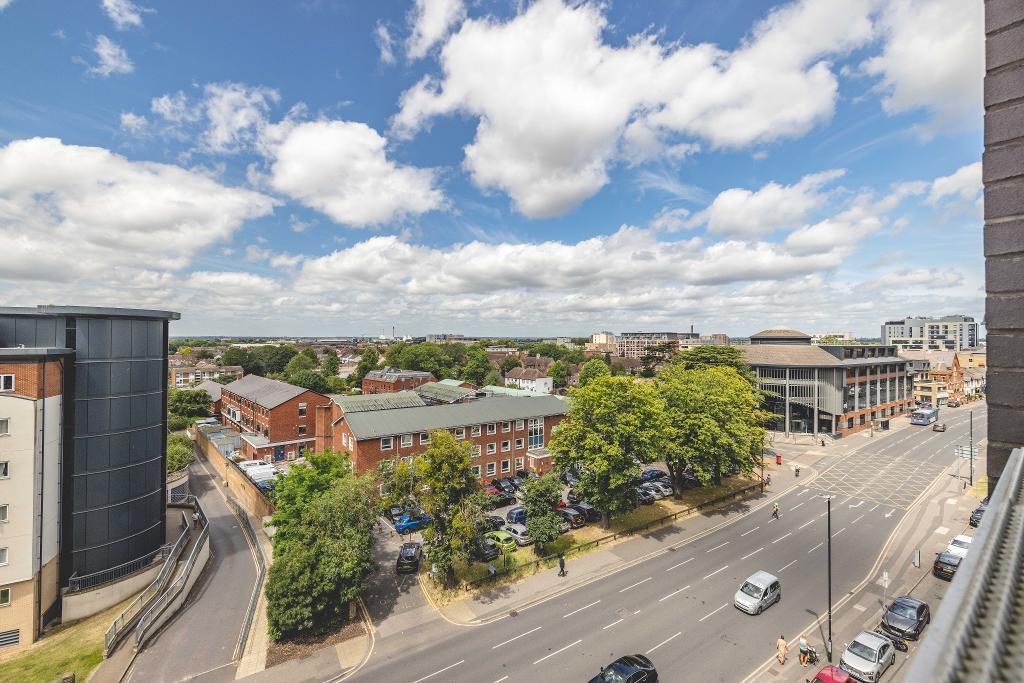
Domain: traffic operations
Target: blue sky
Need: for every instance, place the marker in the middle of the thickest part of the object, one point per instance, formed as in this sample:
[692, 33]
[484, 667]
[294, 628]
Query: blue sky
[549, 167]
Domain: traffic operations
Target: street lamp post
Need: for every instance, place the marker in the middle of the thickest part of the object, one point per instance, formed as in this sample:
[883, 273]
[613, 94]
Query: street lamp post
[971, 445]
[828, 646]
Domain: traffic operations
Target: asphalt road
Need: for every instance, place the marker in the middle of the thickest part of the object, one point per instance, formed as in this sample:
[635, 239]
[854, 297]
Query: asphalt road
[677, 606]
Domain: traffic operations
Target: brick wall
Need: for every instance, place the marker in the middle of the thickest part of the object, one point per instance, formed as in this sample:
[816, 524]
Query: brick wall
[29, 377]
[280, 423]
[1003, 175]
[377, 386]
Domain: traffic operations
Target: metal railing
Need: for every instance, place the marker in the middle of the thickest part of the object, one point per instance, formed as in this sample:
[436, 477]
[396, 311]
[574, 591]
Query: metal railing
[548, 560]
[123, 621]
[80, 583]
[261, 566]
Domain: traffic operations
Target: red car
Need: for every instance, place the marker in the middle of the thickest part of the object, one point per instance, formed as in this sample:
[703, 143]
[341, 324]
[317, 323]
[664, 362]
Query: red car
[490, 490]
[833, 674]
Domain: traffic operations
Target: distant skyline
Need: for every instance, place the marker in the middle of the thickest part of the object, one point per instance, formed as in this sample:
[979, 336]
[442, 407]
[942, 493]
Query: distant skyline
[495, 168]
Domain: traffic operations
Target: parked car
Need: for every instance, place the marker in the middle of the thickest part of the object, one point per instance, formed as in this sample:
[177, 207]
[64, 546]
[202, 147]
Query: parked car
[758, 593]
[591, 513]
[410, 522]
[409, 556]
[906, 618]
[628, 669]
[516, 515]
[945, 565]
[493, 522]
[247, 464]
[575, 518]
[518, 532]
[953, 404]
[868, 656]
[959, 545]
[572, 496]
[486, 550]
[689, 481]
[504, 485]
[832, 674]
[939, 427]
[267, 487]
[570, 477]
[564, 526]
[516, 480]
[500, 499]
[653, 473]
[978, 513]
[504, 540]
[491, 490]
[664, 485]
[644, 497]
[653, 489]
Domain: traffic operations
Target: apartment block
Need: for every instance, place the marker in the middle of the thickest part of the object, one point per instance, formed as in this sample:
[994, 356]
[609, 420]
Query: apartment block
[275, 418]
[190, 375]
[639, 344]
[948, 333]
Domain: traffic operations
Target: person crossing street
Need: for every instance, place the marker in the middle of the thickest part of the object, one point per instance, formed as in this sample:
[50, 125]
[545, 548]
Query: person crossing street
[775, 510]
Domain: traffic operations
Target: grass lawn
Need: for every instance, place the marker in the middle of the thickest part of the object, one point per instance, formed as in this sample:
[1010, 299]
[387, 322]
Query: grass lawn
[76, 647]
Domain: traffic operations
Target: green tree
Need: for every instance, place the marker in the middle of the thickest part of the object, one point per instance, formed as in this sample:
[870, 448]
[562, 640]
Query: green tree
[614, 425]
[369, 360]
[304, 483]
[509, 363]
[592, 369]
[180, 453]
[539, 499]
[188, 402]
[275, 358]
[310, 353]
[309, 379]
[330, 364]
[444, 469]
[249, 363]
[299, 363]
[830, 339]
[336, 385]
[176, 423]
[715, 355]
[559, 372]
[204, 354]
[494, 379]
[714, 421]
[185, 351]
[477, 366]
[397, 484]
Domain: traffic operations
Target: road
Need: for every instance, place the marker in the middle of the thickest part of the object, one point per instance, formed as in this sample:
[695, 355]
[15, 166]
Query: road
[677, 606]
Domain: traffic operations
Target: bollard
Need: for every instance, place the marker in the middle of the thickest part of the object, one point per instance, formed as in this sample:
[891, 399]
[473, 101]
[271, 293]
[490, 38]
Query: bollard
[796, 471]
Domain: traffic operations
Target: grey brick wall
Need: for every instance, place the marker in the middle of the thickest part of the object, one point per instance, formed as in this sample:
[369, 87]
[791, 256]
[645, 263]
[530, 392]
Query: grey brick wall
[1003, 174]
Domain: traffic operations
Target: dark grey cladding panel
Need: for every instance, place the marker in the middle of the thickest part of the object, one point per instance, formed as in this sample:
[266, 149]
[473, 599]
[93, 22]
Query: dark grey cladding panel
[37, 332]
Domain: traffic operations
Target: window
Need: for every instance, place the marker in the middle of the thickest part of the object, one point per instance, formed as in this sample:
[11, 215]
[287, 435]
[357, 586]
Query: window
[6, 382]
[492, 448]
[460, 432]
[476, 450]
[535, 433]
[506, 446]
[474, 430]
[492, 428]
[476, 471]
[302, 430]
[5, 426]
[506, 427]
[3, 556]
[302, 410]
[520, 425]
[424, 438]
[506, 466]
[519, 463]
[406, 440]
[3, 512]
[520, 444]
[387, 443]
[291, 455]
[490, 471]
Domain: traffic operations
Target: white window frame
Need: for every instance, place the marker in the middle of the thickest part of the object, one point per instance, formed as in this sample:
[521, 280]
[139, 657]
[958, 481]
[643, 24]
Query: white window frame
[424, 438]
[4, 558]
[474, 430]
[506, 426]
[302, 430]
[5, 510]
[506, 446]
[5, 423]
[506, 466]
[302, 410]
[520, 425]
[520, 443]
[460, 433]
[492, 428]
[406, 441]
[389, 440]
[477, 450]
[6, 382]
[492, 448]
[520, 463]
[476, 471]
[492, 469]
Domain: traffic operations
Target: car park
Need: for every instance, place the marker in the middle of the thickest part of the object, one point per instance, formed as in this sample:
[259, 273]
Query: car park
[575, 518]
[518, 532]
[410, 522]
[868, 656]
[247, 464]
[644, 497]
[945, 565]
[653, 474]
[759, 592]
[493, 522]
[516, 515]
[939, 427]
[503, 485]
[504, 540]
[628, 669]
[978, 513]
[591, 513]
[662, 484]
[959, 545]
[906, 618]
[654, 490]
[409, 556]
[485, 550]
[500, 499]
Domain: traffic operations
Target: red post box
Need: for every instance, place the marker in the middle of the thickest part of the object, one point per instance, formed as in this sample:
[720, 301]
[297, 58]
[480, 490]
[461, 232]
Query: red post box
[778, 458]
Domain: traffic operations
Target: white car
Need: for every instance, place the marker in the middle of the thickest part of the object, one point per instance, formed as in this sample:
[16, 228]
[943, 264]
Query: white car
[868, 657]
[665, 487]
[518, 532]
[655, 491]
[959, 546]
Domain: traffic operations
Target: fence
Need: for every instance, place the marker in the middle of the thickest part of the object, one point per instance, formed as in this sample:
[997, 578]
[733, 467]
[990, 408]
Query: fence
[80, 583]
[535, 565]
[261, 566]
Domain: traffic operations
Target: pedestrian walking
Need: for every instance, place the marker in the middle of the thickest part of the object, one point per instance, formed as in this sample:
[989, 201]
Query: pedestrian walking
[561, 564]
[775, 510]
[195, 520]
[802, 646]
[823, 443]
[783, 648]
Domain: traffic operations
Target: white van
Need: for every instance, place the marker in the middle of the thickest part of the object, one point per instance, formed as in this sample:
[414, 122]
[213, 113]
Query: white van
[246, 465]
[758, 593]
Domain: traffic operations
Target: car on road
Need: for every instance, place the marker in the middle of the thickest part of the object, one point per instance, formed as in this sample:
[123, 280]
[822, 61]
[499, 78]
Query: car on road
[945, 565]
[518, 532]
[504, 540]
[978, 513]
[574, 517]
[906, 618]
[939, 427]
[628, 669]
[409, 556]
[485, 550]
[410, 522]
[653, 474]
[516, 515]
[759, 592]
[868, 656]
[953, 404]
[831, 674]
[591, 513]
[644, 497]
[959, 545]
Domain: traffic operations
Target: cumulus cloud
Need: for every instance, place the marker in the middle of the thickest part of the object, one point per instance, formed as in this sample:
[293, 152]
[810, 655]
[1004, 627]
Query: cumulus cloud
[233, 115]
[4, 4]
[133, 123]
[124, 13]
[556, 104]
[933, 58]
[964, 183]
[111, 59]
[385, 44]
[431, 21]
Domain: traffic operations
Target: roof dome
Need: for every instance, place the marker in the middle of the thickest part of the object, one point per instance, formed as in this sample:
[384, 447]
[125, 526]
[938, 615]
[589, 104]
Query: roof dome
[780, 331]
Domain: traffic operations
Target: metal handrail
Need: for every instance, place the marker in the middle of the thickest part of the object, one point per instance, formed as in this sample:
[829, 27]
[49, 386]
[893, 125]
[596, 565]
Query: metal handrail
[261, 565]
[80, 583]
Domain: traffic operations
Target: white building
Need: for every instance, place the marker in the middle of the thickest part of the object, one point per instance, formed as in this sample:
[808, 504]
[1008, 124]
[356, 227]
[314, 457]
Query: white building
[530, 379]
[948, 333]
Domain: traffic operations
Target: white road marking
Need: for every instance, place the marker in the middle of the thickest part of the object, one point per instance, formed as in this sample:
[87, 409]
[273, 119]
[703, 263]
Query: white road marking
[802, 492]
[857, 520]
[748, 532]
[889, 514]
[718, 546]
[673, 593]
[782, 537]
[517, 637]
[815, 548]
[503, 678]
[796, 506]
[860, 608]
[558, 651]
[859, 503]
[873, 509]
[663, 642]
[787, 566]
[753, 553]
[839, 532]
[805, 524]
[635, 584]
[846, 501]
[439, 671]
[710, 613]
[580, 609]
[678, 565]
[823, 514]
[942, 531]
[950, 501]
[715, 572]
[617, 621]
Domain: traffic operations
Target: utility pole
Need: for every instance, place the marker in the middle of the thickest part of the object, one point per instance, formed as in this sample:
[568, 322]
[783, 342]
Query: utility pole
[828, 646]
[972, 448]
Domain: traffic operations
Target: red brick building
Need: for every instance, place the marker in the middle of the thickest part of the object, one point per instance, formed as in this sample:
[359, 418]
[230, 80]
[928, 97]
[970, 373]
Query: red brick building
[390, 380]
[508, 433]
[276, 419]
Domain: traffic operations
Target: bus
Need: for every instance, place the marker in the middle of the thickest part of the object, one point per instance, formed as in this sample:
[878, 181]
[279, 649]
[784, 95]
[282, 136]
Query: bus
[924, 415]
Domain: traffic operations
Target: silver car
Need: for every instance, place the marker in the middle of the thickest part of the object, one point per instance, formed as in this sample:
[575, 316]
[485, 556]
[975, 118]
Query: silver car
[655, 491]
[665, 487]
[518, 532]
[758, 593]
[868, 657]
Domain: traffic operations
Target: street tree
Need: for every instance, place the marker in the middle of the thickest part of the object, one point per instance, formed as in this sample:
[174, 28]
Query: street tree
[180, 453]
[559, 372]
[540, 496]
[614, 425]
[304, 483]
[397, 484]
[477, 366]
[592, 369]
[715, 355]
[188, 402]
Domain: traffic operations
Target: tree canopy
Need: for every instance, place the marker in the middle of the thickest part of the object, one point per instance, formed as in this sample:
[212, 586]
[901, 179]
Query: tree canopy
[559, 372]
[188, 402]
[713, 355]
[592, 369]
[300, 362]
[369, 360]
[309, 379]
[330, 364]
[509, 363]
[305, 482]
[539, 499]
[477, 366]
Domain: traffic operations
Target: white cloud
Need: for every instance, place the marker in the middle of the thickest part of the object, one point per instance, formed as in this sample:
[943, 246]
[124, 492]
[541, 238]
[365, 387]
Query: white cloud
[174, 108]
[298, 225]
[431, 21]
[4, 4]
[670, 220]
[964, 183]
[133, 123]
[256, 253]
[236, 113]
[124, 13]
[341, 169]
[112, 58]
[933, 58]
[385, 44]
[556, 105]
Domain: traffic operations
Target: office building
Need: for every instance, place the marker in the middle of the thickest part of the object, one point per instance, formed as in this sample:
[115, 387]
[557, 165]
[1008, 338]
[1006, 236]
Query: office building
[639, 344]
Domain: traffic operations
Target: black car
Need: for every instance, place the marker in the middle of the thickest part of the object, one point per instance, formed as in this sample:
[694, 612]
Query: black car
[978, 513]
[654, 473]
[492, 522]
[485, 550]
[504, 485]
[517, 481]
[644, 497]
[946, 565]
[409, 557]
[575, 518]
[500, 500]
[906, 618]
[589, 511]
[628, 669]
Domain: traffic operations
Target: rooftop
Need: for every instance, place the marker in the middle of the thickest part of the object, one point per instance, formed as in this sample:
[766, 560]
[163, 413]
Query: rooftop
[524, 373]
[365, 402]
[780, 333]
[89, 312]
[268, 393]
[789, 355]
[442, 393]
[32, 352]
[394, 374]
[212, 388]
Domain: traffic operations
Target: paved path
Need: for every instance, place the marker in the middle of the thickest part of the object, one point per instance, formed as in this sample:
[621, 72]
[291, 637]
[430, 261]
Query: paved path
[202, 638]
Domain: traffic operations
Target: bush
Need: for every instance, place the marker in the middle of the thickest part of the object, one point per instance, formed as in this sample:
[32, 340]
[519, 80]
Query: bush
[177, 423]
[179, 456]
